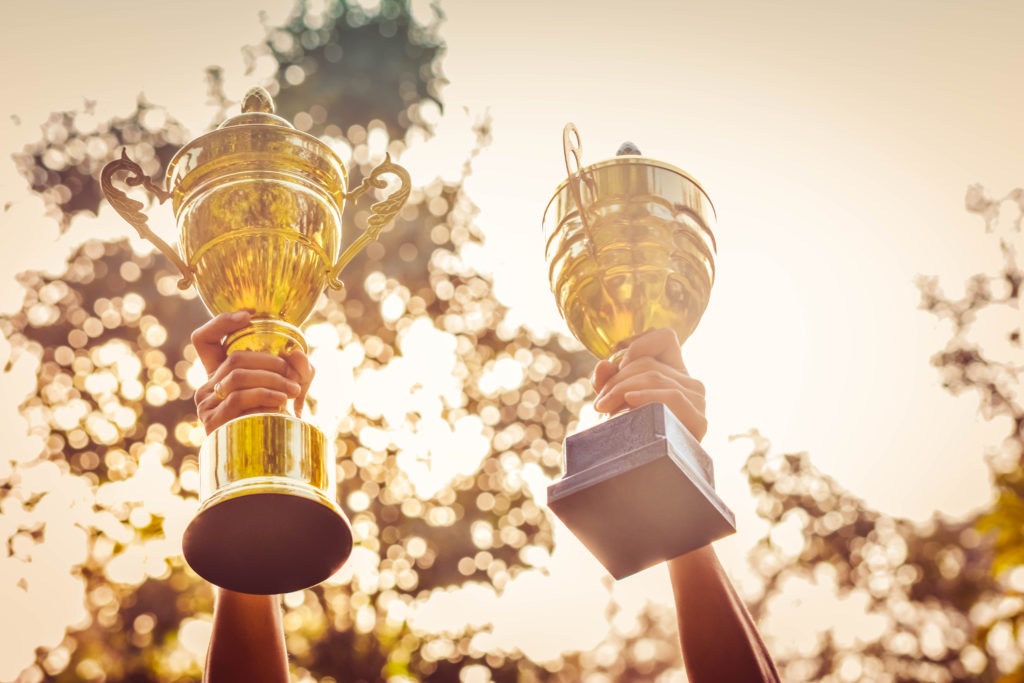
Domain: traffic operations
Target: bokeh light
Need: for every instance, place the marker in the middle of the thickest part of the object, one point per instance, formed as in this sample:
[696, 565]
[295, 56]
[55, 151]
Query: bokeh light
[447, 418]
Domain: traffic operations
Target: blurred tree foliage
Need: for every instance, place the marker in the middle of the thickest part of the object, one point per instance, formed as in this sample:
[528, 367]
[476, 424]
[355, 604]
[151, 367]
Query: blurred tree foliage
[103, 506]
[116, 483]
[946, 595]
[390, 65]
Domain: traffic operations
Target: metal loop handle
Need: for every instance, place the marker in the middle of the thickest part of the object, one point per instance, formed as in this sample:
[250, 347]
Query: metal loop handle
[572, 146]
[381, 213]
[131, 209]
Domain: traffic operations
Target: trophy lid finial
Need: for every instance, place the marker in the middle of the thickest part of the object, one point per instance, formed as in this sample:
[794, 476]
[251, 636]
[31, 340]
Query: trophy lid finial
[628, 149]
[257, 100]
[257, 109]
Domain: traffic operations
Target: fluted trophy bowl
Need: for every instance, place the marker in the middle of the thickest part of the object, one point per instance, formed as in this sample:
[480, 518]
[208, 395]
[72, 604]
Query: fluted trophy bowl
[261, 238]
[629, 247]
[258, 206]
[640, 255]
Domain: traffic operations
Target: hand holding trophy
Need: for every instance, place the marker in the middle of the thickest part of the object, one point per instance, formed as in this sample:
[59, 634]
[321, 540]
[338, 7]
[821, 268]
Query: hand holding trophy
[259, 205]
[630, 249]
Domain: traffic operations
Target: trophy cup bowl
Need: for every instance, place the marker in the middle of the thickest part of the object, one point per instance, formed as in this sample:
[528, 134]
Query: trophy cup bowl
[258, 206]
[630, 248]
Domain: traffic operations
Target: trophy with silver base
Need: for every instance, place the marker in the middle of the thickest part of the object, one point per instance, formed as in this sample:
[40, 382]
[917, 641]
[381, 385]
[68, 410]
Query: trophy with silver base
[629, 247]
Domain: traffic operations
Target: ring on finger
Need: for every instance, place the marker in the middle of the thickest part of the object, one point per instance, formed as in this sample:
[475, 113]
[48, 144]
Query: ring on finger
[218, 391]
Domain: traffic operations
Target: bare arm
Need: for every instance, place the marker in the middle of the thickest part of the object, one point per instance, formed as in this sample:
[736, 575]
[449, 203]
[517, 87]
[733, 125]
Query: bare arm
[247, 643]
[248, 640]
[719, 640]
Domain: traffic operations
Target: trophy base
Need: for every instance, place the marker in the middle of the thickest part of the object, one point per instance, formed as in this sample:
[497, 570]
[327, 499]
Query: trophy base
[268, 523]
[267, 542]
[639, 490]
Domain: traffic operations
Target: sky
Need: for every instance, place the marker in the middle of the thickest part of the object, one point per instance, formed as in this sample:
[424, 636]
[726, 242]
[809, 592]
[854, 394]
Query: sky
[836, 141]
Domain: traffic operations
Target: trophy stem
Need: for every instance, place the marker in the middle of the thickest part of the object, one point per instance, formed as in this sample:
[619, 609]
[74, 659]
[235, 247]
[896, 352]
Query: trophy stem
[269, 335]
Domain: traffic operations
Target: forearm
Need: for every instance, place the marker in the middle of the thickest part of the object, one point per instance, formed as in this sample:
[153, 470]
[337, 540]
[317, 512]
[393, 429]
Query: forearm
[247, 643]
[719, 640]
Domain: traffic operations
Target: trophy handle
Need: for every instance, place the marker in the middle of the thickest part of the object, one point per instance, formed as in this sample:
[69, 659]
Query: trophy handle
[131, 209]
[381, 213]
[572, 146]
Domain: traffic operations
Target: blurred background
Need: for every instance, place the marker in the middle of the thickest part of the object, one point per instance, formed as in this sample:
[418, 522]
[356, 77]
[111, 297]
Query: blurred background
[862, 349]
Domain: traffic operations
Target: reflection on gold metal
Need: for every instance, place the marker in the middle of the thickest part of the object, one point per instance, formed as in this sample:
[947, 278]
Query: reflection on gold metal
[629, 247]
[258, 206]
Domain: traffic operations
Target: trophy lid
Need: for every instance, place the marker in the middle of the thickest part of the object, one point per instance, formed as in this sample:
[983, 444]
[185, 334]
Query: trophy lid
[629, 156]
[257, 108]
[256, 139]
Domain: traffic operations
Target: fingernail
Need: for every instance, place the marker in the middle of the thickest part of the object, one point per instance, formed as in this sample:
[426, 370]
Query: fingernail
[238, 315]
[293, 388]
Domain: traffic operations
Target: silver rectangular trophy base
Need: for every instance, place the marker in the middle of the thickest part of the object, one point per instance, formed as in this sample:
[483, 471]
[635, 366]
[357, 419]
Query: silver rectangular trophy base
[638, 490]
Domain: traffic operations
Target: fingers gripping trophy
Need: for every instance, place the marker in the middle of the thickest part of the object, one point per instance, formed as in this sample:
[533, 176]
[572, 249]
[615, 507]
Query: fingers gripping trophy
[258, 206]
[629, 247]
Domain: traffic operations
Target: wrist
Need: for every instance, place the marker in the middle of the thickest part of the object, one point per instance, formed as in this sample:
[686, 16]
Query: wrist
[701, 561]
[246, 600]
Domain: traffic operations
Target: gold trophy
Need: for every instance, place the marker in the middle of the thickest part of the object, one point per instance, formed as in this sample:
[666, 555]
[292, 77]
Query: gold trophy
[259, 205]
[629, 247]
